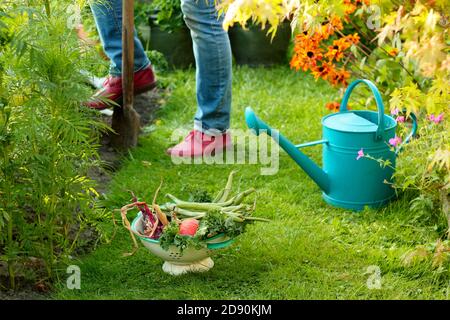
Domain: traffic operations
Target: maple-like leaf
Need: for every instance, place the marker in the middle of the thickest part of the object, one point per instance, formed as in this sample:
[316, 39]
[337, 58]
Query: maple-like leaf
[441, 254]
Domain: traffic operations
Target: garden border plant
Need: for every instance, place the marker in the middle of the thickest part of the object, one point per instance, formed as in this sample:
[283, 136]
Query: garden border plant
[48, 142]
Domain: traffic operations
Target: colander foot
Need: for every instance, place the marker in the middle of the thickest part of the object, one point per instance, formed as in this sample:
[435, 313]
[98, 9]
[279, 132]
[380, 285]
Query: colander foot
[176, 269]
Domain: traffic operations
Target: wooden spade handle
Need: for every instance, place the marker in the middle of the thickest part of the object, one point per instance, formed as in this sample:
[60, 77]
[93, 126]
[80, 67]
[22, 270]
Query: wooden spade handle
[128, 53]
[125, 120]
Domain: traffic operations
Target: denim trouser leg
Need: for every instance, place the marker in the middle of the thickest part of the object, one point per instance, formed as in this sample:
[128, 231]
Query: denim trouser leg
[212, 53]
[108, 18]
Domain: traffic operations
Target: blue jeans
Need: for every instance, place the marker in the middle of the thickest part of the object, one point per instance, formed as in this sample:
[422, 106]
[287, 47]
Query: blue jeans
[212, 53]
[108, 19]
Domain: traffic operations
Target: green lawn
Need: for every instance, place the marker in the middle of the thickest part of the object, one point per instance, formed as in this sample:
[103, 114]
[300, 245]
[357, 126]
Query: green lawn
[309, 251]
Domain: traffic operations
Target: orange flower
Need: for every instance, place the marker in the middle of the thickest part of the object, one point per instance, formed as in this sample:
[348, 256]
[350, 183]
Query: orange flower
[393, 52]
[334, 53]
[306, 53]
[333, 106]
[354, 38]
[323, 71]
[336, 23]
[339, 77]
[312, 54]
[351, 6]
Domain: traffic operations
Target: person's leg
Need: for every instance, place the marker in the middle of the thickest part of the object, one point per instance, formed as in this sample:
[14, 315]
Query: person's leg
[108, 19]
[212, 53]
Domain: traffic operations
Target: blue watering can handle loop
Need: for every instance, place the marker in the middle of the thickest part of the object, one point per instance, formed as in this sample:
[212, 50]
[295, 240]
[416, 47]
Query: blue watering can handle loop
[378, 100]
[411, 135]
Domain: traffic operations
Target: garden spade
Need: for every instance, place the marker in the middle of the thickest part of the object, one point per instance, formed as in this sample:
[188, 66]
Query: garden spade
[125, 120]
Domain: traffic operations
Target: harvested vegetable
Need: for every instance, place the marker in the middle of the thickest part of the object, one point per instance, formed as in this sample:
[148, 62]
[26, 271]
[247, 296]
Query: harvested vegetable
[154, 221]
[182, 223]
[188, 227]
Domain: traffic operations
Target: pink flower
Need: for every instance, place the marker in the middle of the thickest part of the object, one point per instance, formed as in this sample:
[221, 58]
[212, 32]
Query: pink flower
[395, 141]
[436, 119]
[394, 112]
[360, 154]
[400, 119]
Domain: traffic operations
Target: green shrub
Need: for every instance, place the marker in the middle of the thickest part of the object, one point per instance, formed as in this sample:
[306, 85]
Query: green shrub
[168, 14]
[159, 62]
[48, 140]
[422, 174]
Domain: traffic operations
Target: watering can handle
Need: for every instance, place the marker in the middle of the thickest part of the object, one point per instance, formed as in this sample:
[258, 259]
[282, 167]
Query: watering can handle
[378, 100]
[411, 135]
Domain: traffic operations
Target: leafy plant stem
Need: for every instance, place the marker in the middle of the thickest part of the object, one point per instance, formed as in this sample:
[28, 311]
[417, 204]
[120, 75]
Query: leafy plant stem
[47, 8]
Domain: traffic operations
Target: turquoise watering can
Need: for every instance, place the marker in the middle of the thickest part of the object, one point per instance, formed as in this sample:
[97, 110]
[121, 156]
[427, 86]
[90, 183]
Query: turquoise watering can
[348, 182]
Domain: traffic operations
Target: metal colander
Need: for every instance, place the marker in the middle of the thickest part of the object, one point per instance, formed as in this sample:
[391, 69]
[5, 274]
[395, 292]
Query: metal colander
[173, 254]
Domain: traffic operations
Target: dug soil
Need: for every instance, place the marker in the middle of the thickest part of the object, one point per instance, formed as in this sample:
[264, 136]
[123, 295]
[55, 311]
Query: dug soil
[146, 105]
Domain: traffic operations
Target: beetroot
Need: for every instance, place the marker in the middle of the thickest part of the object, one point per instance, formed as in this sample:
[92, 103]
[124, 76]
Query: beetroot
[189, 227]
[146, 212]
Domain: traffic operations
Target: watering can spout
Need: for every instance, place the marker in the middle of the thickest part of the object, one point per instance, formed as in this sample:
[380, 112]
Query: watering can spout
[254, 123]
[315, 172]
